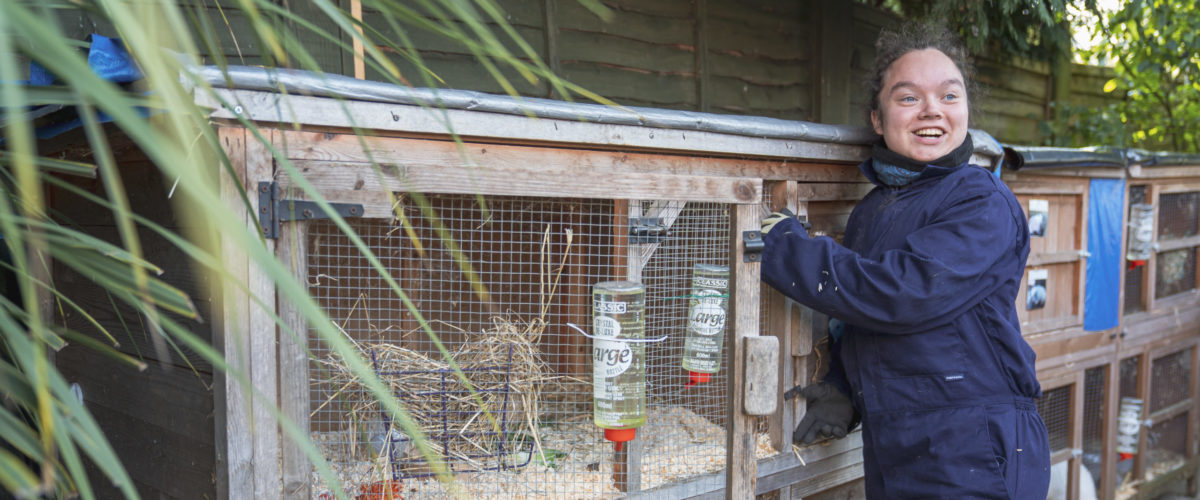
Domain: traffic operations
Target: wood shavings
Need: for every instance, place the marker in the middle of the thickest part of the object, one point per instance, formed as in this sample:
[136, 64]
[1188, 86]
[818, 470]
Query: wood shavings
[1158, 462]
[678, 444]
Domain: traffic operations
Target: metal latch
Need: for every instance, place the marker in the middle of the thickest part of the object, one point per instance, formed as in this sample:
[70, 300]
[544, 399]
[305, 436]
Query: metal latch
[753, 243]
[645, 230]
[272, 210]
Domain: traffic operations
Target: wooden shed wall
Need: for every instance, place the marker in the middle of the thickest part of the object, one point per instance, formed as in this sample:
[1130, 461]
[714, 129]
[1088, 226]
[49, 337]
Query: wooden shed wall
[160, 420]
[804, 60]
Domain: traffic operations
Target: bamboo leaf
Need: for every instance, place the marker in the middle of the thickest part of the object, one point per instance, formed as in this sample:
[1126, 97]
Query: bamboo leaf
[16, 477]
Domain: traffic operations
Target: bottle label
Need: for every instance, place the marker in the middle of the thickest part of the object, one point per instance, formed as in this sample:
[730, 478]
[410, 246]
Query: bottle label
[708, 314]
[606, 307]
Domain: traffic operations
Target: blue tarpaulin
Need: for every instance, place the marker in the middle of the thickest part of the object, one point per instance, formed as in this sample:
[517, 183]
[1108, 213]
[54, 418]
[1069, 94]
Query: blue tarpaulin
[108, 59]
[1101, 299]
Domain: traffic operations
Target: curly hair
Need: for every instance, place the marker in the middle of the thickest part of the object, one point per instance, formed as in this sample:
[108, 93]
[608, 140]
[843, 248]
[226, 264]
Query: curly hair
[911, 36]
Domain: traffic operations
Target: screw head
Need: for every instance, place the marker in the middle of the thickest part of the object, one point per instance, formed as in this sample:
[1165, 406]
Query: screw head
[237, 110]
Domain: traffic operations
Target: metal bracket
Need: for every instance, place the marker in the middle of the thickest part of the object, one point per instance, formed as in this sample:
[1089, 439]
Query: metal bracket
[646, 230]
[753, 243]
[272, 210]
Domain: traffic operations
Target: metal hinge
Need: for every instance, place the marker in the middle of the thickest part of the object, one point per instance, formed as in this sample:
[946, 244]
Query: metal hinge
[644, 230]
[272, 210]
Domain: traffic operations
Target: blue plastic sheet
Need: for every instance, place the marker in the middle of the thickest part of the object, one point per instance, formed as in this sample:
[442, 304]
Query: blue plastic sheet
[106, 57]
[1101, 299]
[109, 60]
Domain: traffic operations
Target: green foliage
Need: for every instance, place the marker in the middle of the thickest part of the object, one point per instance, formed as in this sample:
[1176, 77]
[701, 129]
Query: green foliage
[1081, 126]
[47, 436]
[1155, 49]
[1033, 29]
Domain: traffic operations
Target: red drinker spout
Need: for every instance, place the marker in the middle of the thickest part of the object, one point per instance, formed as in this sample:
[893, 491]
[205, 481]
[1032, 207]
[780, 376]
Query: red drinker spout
[620, 436]
[696, 378]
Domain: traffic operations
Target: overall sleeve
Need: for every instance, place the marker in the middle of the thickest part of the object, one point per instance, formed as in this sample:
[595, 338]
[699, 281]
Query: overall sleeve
[941, 269]
[836, 375]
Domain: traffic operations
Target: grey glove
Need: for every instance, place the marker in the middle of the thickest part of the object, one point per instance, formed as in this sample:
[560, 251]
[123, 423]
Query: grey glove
[830, 413]
[784, 213]
[774, 218]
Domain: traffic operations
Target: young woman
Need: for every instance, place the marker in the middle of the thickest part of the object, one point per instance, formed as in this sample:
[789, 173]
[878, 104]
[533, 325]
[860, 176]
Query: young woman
[931, 358]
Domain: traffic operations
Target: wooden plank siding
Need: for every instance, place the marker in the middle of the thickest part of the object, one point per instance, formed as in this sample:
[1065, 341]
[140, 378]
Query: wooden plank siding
[159, 420]
[751, 57]
[759, 59]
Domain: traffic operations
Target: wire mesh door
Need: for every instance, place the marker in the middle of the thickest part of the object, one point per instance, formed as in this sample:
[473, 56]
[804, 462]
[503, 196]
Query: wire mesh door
[1055, 409]
[1095, 394]
[1170, 397]
[499, 281]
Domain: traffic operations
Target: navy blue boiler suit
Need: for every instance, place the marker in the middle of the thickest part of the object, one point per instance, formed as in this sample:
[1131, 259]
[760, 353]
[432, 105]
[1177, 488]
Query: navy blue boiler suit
[932, 353]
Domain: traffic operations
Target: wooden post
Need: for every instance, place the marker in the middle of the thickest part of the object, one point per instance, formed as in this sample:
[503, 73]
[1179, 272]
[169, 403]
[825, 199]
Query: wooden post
[263, 339]
[1112, 400]
[785, 321]
[1076, 425]
[1193, 442]
[1150, 270]
[835, 33]
[703, 100]
[744, 293]
[360, 66]
[235, 445]
[1060, 82]
[1144, 362]
[627, 463]
[550, 21]
[292, 250]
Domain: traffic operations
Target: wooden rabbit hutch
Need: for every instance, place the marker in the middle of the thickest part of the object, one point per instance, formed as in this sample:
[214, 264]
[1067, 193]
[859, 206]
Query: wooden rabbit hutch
[496, 238]
[490, 221]
[1114, 322]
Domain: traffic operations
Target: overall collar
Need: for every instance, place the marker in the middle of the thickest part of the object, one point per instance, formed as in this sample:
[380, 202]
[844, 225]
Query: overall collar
[888, 168]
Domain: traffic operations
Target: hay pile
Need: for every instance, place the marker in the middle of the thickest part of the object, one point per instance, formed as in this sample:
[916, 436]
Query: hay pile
[503, 366]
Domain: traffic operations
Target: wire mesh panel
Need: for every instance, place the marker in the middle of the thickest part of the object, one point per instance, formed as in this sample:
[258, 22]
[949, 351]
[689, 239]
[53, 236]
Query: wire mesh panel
[1177, 215]
[498, 281]
[1055, 409]
[1175, 272]
[1167, 446]
[1094, 395]
[1170, 379]
[1177, 219]
[687, 438]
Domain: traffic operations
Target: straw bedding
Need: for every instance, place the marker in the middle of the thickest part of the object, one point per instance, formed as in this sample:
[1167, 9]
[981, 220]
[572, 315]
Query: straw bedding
[503, 366]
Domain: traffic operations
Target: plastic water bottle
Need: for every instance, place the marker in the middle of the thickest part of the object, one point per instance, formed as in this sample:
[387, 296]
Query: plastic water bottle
[618, 366]
[707, 307]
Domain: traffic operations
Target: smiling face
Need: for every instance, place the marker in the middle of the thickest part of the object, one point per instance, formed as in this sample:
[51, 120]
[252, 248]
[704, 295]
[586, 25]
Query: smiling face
[922, 106]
